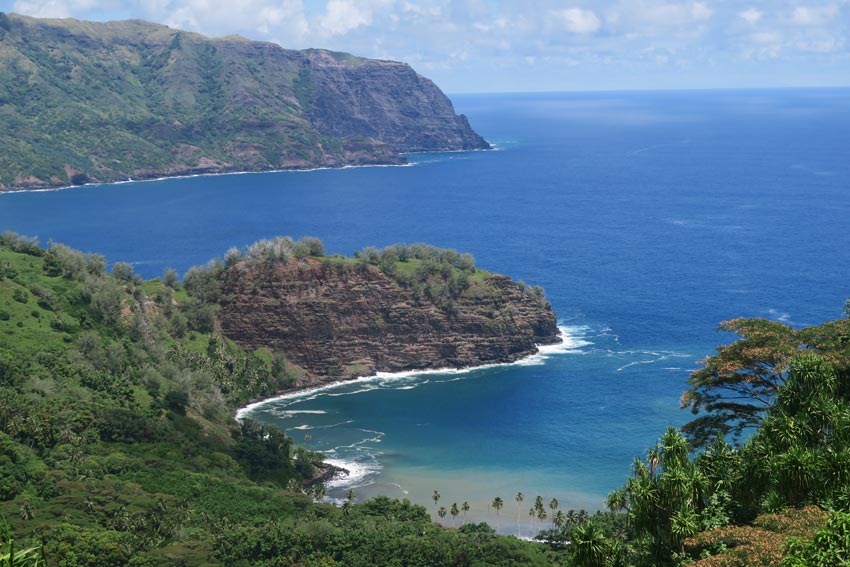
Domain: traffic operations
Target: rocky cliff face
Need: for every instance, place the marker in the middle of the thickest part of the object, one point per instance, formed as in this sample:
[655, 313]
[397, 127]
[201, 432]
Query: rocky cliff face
[339, 321]
[387, 101]
[89, 101]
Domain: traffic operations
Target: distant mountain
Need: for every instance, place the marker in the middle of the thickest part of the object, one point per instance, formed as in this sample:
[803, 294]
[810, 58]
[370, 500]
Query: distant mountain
[89, 101]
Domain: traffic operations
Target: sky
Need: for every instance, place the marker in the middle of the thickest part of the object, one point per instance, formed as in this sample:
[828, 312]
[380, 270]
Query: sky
[524, 46]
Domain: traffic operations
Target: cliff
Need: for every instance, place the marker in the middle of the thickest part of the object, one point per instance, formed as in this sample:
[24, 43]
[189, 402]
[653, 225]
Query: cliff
[341, 319]
[89, 101]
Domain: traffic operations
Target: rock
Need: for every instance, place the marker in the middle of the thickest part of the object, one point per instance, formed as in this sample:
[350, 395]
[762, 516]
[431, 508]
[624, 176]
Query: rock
[352, 320]
[148, 101]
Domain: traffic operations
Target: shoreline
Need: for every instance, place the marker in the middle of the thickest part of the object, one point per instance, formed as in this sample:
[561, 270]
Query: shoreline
[568, 343]
[193, 175]
[243, 172]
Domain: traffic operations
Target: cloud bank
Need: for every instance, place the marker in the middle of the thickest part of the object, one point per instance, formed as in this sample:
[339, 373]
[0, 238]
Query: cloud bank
[480, 45]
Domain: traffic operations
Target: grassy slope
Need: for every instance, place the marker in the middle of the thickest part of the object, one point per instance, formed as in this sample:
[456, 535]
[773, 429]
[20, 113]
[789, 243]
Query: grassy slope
[126, 99]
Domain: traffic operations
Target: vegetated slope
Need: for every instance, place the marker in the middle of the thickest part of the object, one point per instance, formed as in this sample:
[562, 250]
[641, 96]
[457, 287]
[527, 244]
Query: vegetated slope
[117, 445]
[422, 309]
[89, 101]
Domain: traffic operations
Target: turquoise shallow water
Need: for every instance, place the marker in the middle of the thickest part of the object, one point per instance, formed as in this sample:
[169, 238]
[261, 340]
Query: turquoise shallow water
[648, 217]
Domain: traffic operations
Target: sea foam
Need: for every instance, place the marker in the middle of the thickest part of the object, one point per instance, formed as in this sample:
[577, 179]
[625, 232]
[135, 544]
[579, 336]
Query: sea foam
[573, 338]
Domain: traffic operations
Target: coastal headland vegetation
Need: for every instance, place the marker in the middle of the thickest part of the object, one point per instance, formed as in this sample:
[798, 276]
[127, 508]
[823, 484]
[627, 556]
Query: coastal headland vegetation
[118, 444]
[88, 102]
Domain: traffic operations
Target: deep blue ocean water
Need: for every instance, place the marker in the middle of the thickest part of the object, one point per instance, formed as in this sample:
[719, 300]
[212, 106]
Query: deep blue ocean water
[648, 217]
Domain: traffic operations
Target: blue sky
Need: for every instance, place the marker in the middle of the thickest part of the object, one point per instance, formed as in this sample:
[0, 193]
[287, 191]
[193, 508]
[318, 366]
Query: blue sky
[546, 45]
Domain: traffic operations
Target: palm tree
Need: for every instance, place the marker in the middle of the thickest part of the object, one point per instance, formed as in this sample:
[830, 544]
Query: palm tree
[435, 497]
[519, 498]
[441, 512]
[553, 505]
[464, 508]
[497, 504]
[559, 519]
[26, 512]
[541, 515]
[350, 495]
[617, 501]
[454, 512]
[319, 490]
[538, 503]
[531, 514]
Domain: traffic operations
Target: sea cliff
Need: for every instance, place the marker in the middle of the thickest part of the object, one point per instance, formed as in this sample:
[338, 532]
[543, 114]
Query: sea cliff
[109, 101]
[339, 320]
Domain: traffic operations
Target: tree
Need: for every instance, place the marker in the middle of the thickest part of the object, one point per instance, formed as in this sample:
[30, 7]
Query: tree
[464, 508]
[441, 512]
[519, 498]
[553, 505]
[801, 453]
[122, 271]
[559, 519]
[590, 546]
[737, 385]
[435, 497]
[169, 278]
[664, 495]
[454, 512]
[497, 505]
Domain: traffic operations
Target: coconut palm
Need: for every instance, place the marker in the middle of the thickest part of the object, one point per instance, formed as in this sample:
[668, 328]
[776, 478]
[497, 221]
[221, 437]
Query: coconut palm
[538, 503]
[519, 498]
[553, 505]
[350, 495]
[454, 512]
[532, 513]
[464, 508]
[559, 519]
[497, 505]
[435, 497]
[441, 512]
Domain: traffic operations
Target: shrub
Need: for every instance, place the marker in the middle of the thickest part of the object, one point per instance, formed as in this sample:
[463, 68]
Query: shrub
[123, 271]
[170, 277]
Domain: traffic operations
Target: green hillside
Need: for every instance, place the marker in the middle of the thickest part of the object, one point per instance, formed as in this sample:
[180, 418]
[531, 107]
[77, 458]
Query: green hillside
[88, 101]
[118, 446]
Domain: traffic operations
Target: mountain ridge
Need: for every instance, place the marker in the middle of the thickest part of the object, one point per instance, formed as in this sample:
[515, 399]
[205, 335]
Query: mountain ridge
[111, 101]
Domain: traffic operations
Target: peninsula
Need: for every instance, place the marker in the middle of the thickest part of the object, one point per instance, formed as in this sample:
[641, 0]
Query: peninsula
[88, 102]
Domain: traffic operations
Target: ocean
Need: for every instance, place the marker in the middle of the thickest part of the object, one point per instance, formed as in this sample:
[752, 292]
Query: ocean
[648, 217]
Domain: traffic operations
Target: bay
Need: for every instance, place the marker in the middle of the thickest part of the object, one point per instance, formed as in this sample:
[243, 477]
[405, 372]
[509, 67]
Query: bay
[648, 217]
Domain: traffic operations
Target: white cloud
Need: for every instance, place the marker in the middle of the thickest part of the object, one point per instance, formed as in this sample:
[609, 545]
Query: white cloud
[577, 20]
[465, 36]
[670, 14]
[766, 37]
[814, 16]
[343, 16]
[751, 16]
[256, 19]
[52, 8]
